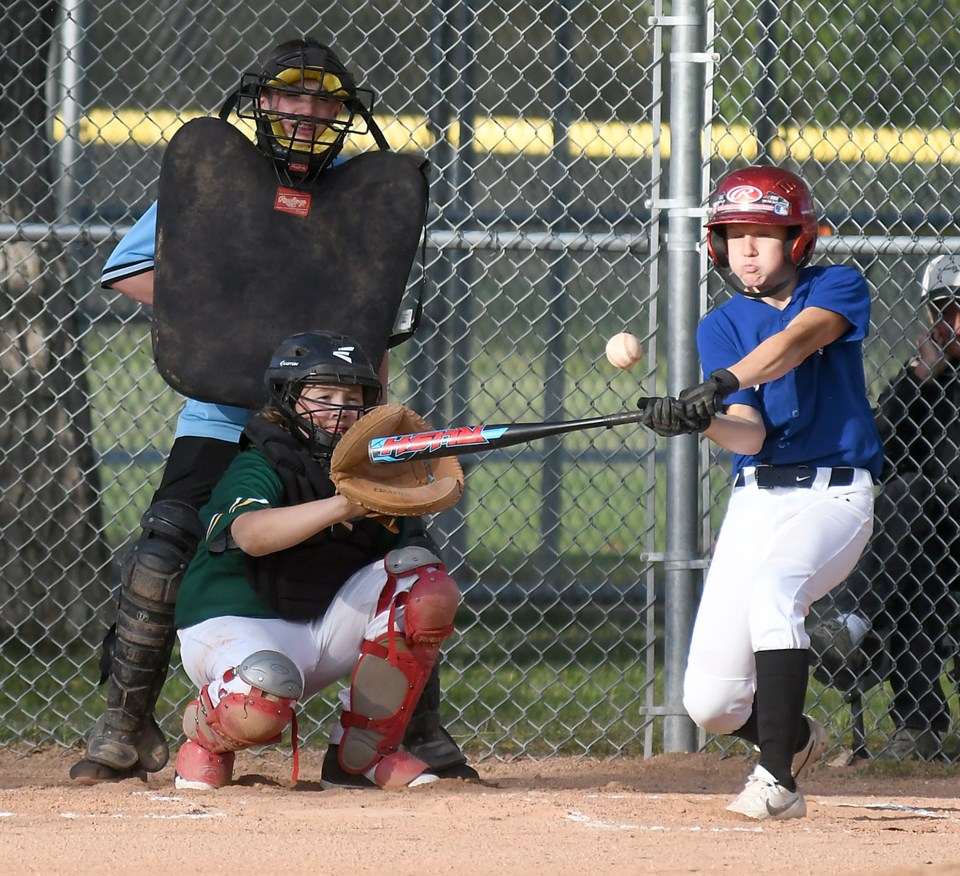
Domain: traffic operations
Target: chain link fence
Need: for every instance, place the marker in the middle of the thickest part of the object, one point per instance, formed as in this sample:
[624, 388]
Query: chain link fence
[546, 235]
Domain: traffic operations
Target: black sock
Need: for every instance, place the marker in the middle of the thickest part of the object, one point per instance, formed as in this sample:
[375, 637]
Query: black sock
[781, 691]
[748, 732]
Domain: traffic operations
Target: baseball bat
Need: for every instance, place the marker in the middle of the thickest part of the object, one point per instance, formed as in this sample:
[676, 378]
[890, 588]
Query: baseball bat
[460, 440]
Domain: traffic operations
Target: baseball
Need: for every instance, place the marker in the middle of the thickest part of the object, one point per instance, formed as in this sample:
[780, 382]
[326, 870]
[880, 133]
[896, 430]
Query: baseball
[624, 350]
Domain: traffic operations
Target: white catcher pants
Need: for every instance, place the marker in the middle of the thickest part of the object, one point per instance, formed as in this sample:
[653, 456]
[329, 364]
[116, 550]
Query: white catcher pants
[778, 551]
[324, 650]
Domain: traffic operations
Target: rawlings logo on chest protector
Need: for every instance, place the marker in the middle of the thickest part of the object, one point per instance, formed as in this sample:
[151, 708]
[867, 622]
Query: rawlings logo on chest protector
[292, 201]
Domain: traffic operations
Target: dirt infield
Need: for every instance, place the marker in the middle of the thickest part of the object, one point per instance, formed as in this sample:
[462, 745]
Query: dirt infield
[560, 816]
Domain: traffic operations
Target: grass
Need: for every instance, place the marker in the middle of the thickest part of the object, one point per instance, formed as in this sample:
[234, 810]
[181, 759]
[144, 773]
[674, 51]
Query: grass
[542, 684]
[569, 681]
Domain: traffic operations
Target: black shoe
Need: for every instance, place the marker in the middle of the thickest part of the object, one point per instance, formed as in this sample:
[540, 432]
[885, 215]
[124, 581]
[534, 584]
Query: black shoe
[89, 772]
[457, 771]
[332, 775]
[435, 746]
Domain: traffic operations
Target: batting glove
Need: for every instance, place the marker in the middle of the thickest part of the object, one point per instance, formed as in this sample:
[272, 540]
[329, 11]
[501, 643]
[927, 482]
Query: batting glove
[669, 417]
[705, 400]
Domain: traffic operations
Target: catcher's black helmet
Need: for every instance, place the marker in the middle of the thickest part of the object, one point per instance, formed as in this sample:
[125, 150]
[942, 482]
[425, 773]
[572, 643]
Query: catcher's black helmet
[303, 67]
[311, 358]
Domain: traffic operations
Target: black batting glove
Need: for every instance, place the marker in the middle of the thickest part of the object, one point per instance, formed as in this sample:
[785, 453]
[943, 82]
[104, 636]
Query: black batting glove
[705, 400]
[668, 417]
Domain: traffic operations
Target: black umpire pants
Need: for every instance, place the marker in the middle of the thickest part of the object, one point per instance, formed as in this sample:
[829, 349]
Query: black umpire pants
[193, 468]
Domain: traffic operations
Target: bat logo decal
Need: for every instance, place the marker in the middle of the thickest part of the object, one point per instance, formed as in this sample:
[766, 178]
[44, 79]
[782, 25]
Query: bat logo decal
[393, 448]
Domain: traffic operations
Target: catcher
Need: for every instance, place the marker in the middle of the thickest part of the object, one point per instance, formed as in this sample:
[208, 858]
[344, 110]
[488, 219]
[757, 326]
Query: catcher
[307, 571]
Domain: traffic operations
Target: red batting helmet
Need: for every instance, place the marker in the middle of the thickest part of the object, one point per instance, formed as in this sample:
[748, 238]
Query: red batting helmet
[764, 196]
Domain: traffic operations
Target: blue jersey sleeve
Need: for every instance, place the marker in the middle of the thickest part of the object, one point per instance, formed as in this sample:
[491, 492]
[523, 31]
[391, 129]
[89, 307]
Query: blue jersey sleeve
[720, 345]
[843, 290]
[134, 253]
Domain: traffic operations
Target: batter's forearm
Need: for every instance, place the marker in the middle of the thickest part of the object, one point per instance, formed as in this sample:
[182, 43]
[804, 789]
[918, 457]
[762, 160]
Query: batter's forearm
[736, 434]
[770, 361]
[811, 330]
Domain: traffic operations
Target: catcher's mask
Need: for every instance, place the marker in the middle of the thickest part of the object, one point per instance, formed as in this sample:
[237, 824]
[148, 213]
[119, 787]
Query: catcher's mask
[309, 359]
[304, 103]
[763, 196]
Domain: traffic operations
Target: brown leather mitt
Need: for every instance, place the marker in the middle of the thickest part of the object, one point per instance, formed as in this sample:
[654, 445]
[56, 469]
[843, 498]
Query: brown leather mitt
[401, 489]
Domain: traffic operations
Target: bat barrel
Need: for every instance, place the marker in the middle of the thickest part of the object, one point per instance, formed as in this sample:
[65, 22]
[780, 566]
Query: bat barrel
[475, 439]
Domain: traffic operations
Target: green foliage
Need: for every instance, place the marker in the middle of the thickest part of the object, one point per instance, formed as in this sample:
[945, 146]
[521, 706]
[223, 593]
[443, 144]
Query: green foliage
[879, 65]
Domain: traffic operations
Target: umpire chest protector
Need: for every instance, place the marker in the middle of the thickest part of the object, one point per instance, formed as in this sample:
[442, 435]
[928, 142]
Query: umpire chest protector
[243, 260]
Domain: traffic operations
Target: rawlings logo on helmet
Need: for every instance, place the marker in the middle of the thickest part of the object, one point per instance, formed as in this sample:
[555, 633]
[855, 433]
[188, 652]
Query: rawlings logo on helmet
[744, 194]
[749, 199]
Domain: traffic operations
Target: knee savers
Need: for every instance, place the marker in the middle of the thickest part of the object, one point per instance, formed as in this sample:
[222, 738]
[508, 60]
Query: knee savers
[256, 718]
[392, 671]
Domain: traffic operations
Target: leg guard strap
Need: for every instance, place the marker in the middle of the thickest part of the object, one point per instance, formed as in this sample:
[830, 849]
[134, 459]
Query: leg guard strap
[391, 673]
[394, 655]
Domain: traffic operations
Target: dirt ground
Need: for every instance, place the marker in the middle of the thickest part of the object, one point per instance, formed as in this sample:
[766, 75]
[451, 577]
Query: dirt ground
[560, 816]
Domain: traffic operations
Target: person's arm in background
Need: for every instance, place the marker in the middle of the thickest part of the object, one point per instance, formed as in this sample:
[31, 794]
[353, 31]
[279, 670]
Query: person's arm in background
[931, 359]
[129, 269]
[138, 287]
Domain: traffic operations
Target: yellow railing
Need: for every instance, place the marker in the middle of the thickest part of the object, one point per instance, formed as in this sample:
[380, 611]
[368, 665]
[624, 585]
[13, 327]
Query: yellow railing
[597, 140]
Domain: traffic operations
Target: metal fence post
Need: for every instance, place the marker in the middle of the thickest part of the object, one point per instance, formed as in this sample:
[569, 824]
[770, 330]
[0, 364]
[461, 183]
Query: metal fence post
[683, 270]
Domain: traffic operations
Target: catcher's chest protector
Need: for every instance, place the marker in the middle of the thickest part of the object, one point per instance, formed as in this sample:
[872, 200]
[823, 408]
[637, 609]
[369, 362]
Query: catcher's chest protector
[243, 262]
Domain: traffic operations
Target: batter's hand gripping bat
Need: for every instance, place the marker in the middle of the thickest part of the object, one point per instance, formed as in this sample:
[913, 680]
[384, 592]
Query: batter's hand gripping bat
[460, 440]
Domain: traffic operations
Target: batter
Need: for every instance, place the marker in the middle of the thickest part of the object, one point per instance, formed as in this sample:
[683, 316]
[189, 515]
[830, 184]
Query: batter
[786, 394]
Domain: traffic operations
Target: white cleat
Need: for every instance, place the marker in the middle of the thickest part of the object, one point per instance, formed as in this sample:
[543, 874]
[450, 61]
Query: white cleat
[765, 798]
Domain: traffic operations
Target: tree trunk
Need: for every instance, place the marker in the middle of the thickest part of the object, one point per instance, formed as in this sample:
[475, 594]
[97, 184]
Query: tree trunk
[53, 558]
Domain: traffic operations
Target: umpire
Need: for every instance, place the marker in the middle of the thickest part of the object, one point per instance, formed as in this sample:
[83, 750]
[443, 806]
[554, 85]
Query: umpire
[895, 610]
[277, 225]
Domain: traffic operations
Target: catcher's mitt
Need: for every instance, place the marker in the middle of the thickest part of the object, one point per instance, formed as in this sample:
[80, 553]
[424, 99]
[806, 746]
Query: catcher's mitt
[404, 489]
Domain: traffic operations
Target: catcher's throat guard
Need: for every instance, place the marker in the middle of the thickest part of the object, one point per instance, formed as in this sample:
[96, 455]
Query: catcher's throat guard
[243, 262]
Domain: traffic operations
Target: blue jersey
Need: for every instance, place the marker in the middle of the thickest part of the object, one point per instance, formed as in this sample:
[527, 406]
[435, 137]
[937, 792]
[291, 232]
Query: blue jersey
[817, 414]
[134, 255]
